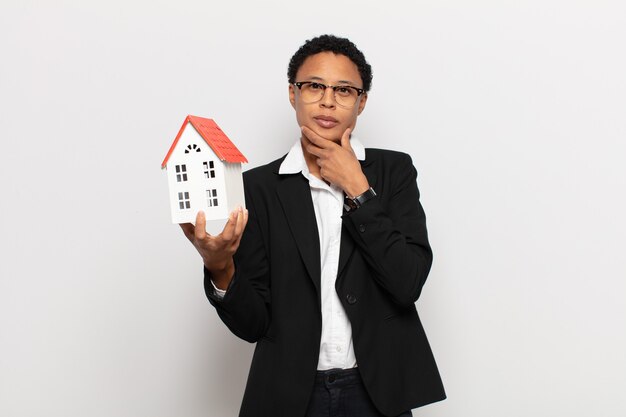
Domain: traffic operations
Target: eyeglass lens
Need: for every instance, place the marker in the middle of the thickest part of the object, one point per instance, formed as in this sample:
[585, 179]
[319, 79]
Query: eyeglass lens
[344, 96]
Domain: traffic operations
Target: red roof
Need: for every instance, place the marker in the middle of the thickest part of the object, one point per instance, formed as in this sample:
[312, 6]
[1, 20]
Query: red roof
[213, 136]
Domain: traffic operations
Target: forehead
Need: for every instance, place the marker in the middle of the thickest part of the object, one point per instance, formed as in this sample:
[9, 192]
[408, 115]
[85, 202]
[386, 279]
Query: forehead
[329, 67]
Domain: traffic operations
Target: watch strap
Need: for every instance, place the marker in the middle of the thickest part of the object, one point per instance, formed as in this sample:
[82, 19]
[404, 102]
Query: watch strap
[351, 204]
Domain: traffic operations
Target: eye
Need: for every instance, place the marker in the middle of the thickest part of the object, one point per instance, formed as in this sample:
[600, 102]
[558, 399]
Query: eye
[343, 91]
[316, 86]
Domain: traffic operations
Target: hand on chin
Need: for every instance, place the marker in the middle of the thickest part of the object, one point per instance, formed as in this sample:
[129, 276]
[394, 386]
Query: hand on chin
[328, 134]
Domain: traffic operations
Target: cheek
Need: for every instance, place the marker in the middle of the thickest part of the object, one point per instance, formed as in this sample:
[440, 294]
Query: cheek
[299, 112]
[301, 116]
[351, 119]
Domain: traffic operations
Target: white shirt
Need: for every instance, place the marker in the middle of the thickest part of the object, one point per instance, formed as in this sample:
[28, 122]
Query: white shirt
[336, 350]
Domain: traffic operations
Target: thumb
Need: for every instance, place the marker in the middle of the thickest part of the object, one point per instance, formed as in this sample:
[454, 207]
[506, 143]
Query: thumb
[200, 229]
[345, 139]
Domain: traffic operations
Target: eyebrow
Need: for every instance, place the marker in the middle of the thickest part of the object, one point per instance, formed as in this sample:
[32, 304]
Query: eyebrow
[338, 82]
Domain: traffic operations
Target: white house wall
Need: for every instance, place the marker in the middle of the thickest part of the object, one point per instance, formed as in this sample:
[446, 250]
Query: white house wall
[234, 186]
[197, 183]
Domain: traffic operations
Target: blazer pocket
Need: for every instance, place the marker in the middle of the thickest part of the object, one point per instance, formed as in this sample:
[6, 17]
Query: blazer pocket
[390, 316]
[399, 314]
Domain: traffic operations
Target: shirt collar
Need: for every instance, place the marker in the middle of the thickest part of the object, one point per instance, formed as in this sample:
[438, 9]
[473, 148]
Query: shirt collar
[294, 162]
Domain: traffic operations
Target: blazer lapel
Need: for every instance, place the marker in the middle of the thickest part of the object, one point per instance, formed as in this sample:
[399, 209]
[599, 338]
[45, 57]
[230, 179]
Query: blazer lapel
[347, 244]
[295, 197]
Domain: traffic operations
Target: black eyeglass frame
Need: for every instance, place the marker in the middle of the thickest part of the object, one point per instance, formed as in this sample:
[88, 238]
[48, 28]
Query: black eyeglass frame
[359, 91]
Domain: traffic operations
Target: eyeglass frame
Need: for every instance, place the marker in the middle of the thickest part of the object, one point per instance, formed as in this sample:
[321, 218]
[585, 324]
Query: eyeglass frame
[359, 91]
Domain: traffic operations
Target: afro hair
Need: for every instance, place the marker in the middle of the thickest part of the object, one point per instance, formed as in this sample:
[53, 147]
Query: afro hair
[336, 45]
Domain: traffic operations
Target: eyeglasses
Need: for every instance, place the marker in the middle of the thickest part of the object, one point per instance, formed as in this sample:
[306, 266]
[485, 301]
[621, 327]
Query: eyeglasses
[345, 95]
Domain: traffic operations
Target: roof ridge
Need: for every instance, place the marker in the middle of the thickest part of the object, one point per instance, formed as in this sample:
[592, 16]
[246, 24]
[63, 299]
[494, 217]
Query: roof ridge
[214, 136]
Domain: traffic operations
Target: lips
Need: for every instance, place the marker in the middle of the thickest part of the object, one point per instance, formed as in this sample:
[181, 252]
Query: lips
[327, 122]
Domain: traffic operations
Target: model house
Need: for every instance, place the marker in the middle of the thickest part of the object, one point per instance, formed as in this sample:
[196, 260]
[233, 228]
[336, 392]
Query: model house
[203, 173]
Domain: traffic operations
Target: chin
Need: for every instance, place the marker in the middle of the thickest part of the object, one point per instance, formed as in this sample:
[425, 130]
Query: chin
[333, 134]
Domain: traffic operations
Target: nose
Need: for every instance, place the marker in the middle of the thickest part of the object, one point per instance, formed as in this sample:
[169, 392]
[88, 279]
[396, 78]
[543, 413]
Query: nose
[328, 99]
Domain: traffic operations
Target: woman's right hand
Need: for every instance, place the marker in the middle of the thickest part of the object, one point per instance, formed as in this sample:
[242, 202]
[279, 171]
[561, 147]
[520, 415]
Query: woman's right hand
[217, 251]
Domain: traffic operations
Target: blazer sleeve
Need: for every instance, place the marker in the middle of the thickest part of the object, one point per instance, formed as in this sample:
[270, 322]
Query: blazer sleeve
[390, 232]
[245, 308]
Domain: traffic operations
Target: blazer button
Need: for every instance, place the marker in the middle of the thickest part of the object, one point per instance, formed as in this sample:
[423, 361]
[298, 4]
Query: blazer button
[361, 228]
[351, 299]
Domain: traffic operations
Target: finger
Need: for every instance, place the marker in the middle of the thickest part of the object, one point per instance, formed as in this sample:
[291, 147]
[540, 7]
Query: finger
[188, 230]
[316, 139]
[315, 150]
[243, 228]
[229, 228]
[240, 224]
[200, 229]
[312, 148]
[307, 142]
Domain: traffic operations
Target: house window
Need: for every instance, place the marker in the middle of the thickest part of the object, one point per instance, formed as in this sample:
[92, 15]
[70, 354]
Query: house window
[183, 200]
[209, 169]
[192, 148]
[181, 173]
[211, 198]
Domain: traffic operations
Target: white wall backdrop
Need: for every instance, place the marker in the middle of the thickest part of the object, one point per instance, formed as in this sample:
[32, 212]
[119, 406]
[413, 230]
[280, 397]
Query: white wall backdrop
[514, 113]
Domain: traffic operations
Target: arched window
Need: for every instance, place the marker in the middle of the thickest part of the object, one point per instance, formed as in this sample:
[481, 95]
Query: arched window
[192, 148]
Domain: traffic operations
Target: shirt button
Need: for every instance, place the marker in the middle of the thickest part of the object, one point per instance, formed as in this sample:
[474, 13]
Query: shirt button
[351, 299]
[361, 228]
[338, 348]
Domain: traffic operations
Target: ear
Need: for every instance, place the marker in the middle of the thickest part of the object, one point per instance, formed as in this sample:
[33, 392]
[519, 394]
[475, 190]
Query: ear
[362, 103]
[292, 96]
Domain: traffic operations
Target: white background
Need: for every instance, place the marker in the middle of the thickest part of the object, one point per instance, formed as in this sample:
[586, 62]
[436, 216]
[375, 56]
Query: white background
[513, 112]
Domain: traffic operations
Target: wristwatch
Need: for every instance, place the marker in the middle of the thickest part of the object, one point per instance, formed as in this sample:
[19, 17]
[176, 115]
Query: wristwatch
[351, 204]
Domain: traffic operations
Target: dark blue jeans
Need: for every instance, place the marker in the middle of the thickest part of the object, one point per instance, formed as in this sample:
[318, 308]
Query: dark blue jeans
[340, 393]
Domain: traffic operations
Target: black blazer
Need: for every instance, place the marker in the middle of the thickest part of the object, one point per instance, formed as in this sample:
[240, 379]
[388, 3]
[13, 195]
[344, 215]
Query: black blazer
[274, 297]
